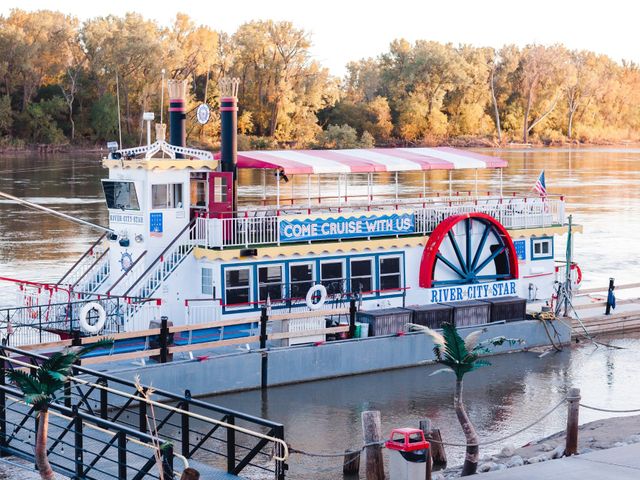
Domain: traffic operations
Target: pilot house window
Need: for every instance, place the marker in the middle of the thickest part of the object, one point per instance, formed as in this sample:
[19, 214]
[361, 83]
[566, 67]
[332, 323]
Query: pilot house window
[166, 196]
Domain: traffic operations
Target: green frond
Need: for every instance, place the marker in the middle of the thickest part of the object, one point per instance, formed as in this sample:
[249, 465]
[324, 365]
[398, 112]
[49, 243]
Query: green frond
[59, 362]
[454, 346]
[104, 343]
[29, 384]
[39, 401]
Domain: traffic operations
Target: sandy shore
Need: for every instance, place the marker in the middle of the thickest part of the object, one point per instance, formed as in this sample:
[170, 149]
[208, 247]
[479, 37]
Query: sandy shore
[597, 435]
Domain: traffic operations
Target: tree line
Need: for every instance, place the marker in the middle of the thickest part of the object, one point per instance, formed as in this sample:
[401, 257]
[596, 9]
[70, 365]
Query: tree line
[65, 81]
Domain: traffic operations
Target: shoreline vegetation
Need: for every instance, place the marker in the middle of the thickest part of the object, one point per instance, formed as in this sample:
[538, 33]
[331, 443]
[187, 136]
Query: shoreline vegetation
[69, 82]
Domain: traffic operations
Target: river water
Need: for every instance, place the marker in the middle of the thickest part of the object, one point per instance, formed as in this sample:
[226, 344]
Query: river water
[603, 194]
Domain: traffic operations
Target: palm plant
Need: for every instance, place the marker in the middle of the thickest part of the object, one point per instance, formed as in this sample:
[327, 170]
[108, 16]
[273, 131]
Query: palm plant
[461, 356]
[40, 390]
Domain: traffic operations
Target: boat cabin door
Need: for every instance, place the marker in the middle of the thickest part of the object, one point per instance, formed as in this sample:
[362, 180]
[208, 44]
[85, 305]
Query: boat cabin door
[220, 194]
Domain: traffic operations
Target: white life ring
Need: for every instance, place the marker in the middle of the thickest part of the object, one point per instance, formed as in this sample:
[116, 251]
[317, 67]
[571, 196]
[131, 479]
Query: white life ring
[84, 314]
[323, 296]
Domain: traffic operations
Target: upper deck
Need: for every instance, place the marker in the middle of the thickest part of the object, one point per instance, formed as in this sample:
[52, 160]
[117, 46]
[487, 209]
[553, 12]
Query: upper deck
[268, 225]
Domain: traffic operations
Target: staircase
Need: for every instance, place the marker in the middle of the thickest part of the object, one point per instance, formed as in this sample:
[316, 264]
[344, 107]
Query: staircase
[90, 271]
[161, 268]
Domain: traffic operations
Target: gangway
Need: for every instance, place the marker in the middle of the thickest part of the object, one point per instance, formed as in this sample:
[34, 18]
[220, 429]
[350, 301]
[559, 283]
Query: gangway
[104, 421]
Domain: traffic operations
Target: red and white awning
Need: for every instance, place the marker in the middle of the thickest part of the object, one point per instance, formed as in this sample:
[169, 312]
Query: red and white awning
[293, 162]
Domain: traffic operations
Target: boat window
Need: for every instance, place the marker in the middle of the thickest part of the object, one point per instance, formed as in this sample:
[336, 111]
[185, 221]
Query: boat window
[332, 276]
[120, 195]
[207, 281]
[237, 286]
[166, 196]
[390, 273]
[361, 275]
[301, 277]
[541, 248]
[270, 282]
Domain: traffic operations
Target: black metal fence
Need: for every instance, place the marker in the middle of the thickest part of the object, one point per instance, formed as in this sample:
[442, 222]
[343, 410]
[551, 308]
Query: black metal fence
[200, 431]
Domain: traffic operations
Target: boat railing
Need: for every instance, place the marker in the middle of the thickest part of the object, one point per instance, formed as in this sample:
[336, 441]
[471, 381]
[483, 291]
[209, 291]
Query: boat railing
[263, 227]
[83, 263]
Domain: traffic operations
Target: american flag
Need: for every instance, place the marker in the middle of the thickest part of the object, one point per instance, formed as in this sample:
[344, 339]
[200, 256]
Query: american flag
[540, 185]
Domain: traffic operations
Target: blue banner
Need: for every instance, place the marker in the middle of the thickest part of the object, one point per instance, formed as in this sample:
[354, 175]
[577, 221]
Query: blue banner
[346, 227]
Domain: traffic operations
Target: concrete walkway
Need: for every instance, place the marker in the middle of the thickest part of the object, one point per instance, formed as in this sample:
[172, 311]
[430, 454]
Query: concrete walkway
[621, 463]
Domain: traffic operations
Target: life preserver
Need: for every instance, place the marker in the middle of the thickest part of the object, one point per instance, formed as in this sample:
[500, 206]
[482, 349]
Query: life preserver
[323, 296]
[84, 314]
[576, 279]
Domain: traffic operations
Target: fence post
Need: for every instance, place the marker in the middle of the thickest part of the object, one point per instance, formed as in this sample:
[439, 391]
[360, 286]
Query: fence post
[281, 466]
[184, 425]
[573, 400]
[3, 406]
[264, 367]
[231, 445]
[78, 444]
[104, 398]
[164, 339]
[167, 461]
[372, 433]
[609, 296]
[142, 413]
[352, 317]
[122, 455]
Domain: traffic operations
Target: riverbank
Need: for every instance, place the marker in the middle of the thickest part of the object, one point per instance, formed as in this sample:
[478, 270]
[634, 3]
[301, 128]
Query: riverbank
[592, 436]
[457, 142]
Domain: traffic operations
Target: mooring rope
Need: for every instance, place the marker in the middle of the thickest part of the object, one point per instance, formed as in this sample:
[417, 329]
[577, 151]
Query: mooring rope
[608, 410]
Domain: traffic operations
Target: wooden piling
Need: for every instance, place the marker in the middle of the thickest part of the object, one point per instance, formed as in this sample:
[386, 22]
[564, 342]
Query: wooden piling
[425, 426]
[573, 400]
[372, 433]
[437, 453]
[351, 465]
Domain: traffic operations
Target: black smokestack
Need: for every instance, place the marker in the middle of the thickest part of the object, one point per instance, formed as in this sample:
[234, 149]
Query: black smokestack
[229, 131]
[177, 114]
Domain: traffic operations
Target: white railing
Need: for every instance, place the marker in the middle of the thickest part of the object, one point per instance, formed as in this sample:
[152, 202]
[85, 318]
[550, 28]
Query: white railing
[512, 212]
[80, 271]
[202, 311]
[94, 277]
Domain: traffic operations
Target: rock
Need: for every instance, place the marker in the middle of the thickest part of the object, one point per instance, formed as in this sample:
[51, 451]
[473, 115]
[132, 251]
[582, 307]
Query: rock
[437, 476]
[501, 466]
[584, 450]
[509, 450]
[633, 439]
[515, 461]
[620, 444]
[538, 459]
[486, 458]
[558, 452]
[486, 467]
[546, 447]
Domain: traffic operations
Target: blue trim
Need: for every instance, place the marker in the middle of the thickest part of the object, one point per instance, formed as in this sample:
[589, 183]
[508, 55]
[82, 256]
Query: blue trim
[254, 294]
[548, 256]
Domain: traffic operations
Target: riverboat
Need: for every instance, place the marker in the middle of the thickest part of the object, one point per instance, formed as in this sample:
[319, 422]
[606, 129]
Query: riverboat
[181, 244]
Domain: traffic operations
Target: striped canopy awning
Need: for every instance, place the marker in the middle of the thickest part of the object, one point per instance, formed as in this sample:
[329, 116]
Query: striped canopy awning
[293, 162]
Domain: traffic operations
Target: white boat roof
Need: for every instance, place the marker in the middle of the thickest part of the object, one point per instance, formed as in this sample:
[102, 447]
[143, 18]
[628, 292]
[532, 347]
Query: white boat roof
[368, 160]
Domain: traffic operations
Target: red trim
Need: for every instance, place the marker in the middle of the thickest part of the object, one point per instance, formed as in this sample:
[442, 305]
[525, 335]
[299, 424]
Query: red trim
[176, 100]
[177, 109]
[432, 247]
[538, 275]
[228, 109]
[228, 99]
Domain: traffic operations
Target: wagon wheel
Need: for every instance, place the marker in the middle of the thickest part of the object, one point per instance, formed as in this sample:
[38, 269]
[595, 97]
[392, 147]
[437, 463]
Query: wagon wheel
[467, 249]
